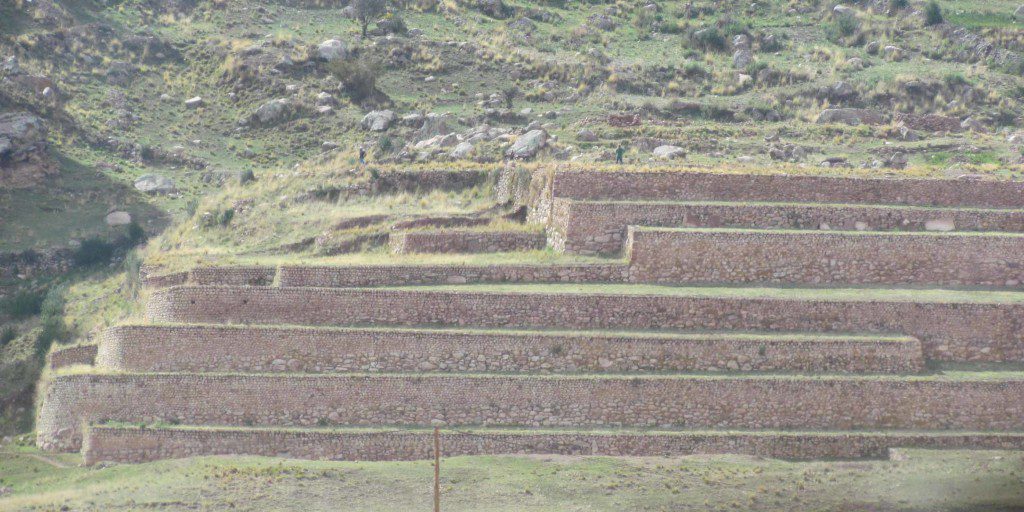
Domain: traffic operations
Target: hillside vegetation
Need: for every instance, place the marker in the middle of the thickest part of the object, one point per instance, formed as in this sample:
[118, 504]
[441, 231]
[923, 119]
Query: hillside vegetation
[156, 136]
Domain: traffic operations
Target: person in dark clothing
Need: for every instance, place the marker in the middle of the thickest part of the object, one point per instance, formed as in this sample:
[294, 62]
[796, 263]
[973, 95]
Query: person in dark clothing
[619, 151]
[362, 155]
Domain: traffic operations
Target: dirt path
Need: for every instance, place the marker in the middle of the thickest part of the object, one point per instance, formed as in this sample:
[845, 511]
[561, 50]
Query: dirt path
[55, 463]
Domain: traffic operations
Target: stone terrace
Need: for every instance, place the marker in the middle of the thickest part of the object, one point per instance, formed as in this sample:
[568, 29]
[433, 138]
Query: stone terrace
[780, 316]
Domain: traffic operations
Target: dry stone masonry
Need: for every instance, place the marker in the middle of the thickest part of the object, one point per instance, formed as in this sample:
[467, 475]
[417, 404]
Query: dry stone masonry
[782, 316]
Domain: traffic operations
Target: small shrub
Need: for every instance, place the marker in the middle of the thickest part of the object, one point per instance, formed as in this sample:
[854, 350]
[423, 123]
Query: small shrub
[898, 5]
[708, 39]
[136, 235]
[22, 305]
[932, 13]
[93, 251]
[245, 176]
[224, 217]
[358, 78]
[7, 335]
[191, 207]
[841, 28]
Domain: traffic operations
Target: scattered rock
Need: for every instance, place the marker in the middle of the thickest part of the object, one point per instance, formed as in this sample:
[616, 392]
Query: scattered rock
[786, 152]
[843, 10]
[873, 47]
[332, 50]
[325, 98]
[892, 52]
[462, 150]
[433, 125]
[378, 120]
[272, 112]
[602, 21]
[154, 184]
[850, 116]
[742, 58]
[118, 218]
[414, 120]
[23, 156]
[585, 135]
[973, 125]
[528, 144]
[669, 152]
[194, 103]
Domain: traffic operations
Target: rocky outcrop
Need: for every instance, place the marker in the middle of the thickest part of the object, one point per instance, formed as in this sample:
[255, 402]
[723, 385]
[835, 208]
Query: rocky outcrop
[378, 120]
[528, 144]
[851, 116]
[23, 157]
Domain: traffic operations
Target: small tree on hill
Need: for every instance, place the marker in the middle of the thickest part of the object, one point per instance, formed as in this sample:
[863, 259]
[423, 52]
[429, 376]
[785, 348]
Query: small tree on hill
[367, 10]
[932, 13]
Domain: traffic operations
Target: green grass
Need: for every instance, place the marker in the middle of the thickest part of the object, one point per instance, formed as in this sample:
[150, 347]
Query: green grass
[985, 481]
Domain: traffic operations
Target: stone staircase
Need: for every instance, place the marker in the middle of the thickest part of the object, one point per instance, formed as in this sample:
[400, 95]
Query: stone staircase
[781, 316]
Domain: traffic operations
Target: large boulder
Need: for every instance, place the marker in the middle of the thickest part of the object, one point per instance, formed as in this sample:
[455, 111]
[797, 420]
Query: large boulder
[850, 116]
[669, 152]
[272, 112]
[528, 144]
[332, 50]
[742, 58]
[154, 184]
[462, 150]
[23, 157]
[1019, 13]
[433, 125]
[378, 120]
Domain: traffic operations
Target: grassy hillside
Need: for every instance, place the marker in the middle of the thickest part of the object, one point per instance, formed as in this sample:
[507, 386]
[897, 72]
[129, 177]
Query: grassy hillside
[922, 480]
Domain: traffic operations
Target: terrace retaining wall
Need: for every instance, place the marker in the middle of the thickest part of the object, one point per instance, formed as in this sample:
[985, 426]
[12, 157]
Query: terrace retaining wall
[397, 275]
[600, 227]
[738, 256]
[952, 331]
[851, 403]
[261, 349]
[70, 356]
[134, 445]
[697, 186]
[465, 241]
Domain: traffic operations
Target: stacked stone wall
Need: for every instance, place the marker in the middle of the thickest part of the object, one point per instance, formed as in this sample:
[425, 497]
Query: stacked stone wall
[465, 241]
[254, 275]
[948, 330]
[397, 275]
[112, 444]
[600, 227]
[70, 356]
[696, 186]
[834, 403]
[269, 349]
[807, 257]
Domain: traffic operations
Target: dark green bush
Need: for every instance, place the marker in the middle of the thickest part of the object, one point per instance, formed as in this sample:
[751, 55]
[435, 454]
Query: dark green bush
[7, 335]
[93, 251]
[22, 305]
[136, 235]
[841, 28]
[358, 78]
[225, 217]
[932, 13]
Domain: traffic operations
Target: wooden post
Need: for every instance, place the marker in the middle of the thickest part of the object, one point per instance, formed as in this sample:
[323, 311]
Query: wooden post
[437, 469]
